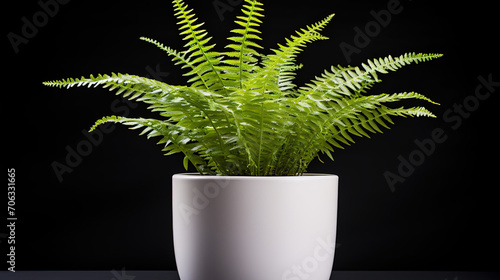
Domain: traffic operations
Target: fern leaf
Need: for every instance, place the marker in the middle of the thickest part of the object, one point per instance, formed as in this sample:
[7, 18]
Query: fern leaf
[352, 80]
[178, 57]
[128, 86]
[362, 115]
[281, 63]
[242, 57]
[205, 61]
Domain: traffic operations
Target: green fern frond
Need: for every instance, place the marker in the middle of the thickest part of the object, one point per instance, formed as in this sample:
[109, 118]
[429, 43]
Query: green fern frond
[360, 116]
[281, 64]
[353, 80]
[103, 120]
[178, 57]
[205, 60]
[129, 86]
[243, 58]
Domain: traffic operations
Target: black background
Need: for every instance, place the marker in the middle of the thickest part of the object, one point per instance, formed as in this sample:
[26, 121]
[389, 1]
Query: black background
[114, 209]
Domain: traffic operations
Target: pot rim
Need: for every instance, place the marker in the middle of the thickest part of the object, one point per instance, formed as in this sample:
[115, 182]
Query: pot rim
[198, 176]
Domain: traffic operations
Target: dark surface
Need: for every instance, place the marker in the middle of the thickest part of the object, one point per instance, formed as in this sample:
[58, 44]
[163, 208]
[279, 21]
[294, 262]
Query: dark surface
[113, 209]
[172, 275]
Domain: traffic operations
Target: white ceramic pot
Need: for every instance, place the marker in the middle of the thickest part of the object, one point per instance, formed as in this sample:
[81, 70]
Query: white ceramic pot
[254, 228]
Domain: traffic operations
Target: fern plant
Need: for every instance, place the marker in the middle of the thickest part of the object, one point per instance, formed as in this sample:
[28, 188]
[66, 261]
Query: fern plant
[242, 114]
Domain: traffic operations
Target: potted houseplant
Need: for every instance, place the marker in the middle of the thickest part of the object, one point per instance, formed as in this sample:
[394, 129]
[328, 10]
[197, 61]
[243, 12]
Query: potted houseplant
[251, 212]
